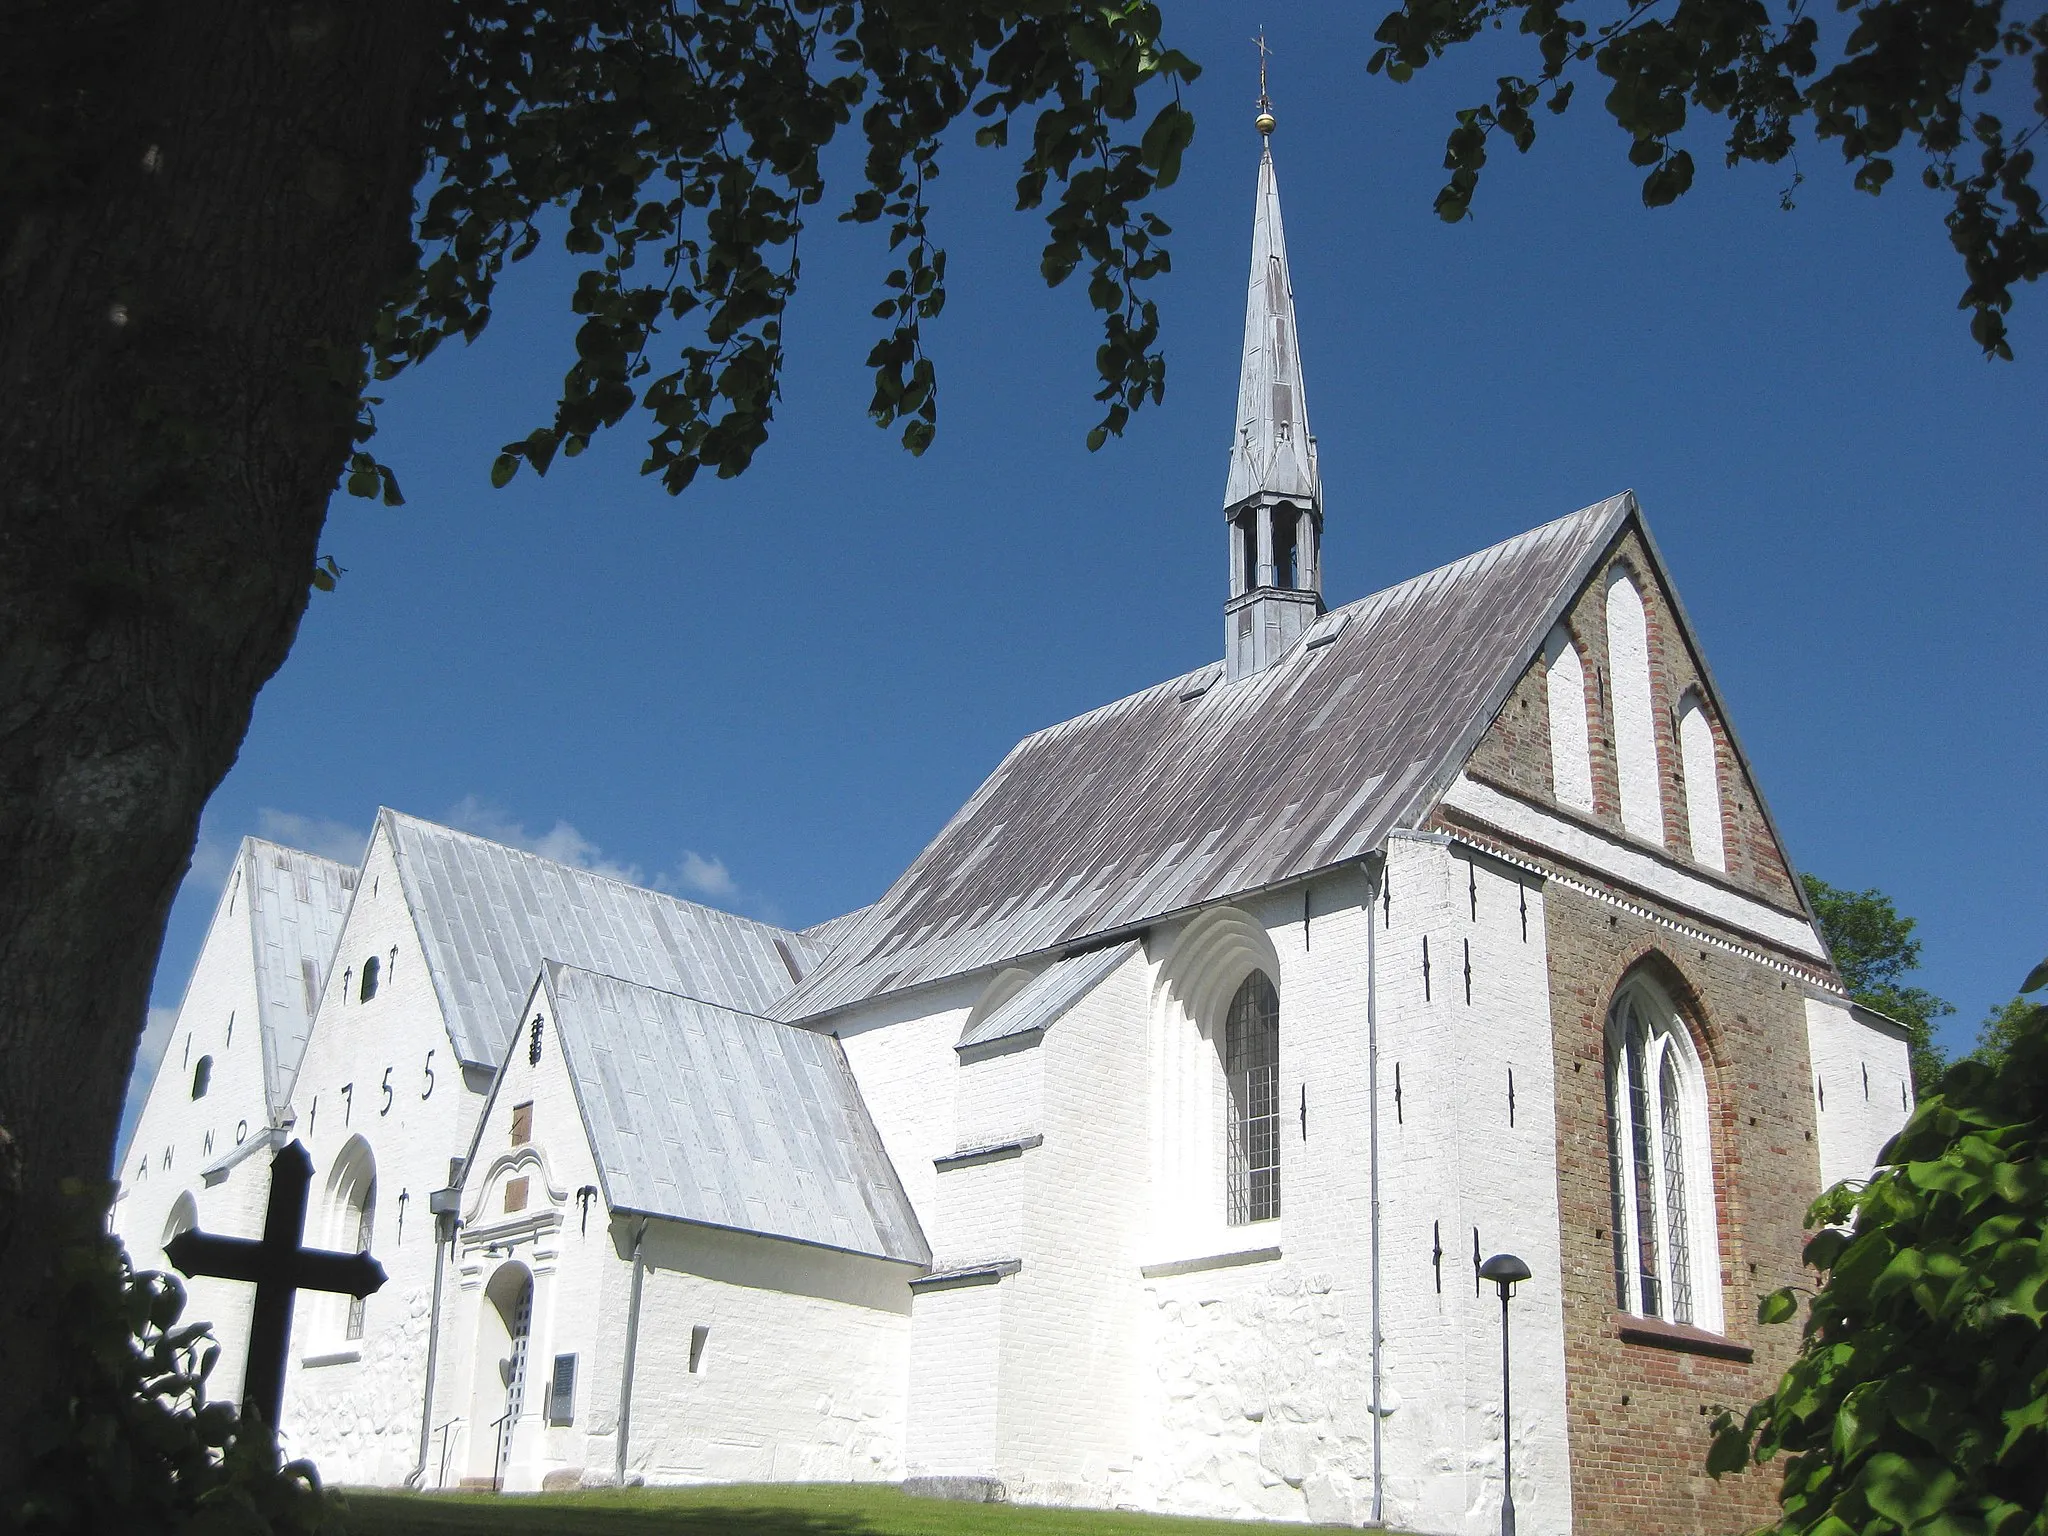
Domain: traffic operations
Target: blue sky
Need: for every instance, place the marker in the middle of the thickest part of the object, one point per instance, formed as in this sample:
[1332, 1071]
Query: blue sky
[771, 692]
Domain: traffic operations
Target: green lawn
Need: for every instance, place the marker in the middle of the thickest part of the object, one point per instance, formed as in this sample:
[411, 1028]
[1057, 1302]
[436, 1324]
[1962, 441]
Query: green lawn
[786, 1509]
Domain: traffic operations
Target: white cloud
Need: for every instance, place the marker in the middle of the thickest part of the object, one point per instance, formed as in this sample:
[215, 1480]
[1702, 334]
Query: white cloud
[149, 1055]
[707, 877]
[697, 874]
[330, 839]
[561, 842]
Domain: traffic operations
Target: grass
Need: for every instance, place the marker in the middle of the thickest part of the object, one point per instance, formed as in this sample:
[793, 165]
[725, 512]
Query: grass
[780, 1509]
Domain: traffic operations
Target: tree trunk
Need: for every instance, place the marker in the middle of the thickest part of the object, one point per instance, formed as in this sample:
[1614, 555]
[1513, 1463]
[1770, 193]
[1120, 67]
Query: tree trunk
[187, 280]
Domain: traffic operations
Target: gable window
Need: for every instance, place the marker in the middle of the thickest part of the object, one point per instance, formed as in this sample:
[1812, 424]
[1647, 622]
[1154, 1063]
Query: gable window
[1635, 723]
[522, 1123]
[202, 1077]
[1702, 783]
[1571, 748]
[1251, 1063]
[371, 967]
[1665, 1264]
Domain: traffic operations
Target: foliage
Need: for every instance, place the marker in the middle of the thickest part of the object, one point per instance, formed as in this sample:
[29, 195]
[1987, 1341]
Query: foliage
[1874, 949]
[133, 1446]
[2000, 1032]
[685, 144]
[1924, 75]
[1919, 1399]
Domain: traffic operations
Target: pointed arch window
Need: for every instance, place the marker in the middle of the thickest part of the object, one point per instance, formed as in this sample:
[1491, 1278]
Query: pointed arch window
[371, 967]
[1665, 1260]
[1571, 747]
[202, 1077]
[352, 1193]
[183, 1218]
[1251, 1063]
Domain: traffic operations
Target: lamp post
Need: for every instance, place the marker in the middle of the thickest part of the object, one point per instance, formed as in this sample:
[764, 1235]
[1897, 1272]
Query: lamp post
[1505, 1271]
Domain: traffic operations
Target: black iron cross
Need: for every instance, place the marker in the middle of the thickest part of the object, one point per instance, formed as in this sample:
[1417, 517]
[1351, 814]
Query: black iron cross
[279, 1268]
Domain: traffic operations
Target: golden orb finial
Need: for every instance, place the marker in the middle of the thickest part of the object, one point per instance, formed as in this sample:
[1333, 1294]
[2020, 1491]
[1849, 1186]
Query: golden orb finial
[1265, 122]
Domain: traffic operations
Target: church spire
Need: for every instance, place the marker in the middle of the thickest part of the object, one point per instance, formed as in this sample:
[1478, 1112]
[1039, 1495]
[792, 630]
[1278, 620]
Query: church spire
[1273, 497]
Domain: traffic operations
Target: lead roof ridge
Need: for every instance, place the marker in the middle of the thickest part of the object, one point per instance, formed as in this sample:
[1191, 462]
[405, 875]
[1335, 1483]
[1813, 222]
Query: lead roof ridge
[594, 874]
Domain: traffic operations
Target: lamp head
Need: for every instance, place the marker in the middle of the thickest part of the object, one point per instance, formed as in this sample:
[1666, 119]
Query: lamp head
[1505, 1271]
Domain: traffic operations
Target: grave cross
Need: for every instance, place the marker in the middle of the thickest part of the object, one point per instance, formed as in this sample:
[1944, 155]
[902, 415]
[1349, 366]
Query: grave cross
[279, 1267]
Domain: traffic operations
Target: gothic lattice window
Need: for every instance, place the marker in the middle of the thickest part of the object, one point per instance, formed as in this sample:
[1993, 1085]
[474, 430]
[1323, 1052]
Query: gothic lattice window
[1656, 1113]
[366, 1217]
[1251, 1059]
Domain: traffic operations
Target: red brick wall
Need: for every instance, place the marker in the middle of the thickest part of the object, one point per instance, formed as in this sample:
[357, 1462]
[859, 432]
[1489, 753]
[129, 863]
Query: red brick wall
[1515, 752]
[1637, 1414]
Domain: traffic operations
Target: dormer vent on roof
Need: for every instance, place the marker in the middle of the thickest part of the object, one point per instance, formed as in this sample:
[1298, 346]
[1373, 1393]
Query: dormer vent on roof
[1273, 497]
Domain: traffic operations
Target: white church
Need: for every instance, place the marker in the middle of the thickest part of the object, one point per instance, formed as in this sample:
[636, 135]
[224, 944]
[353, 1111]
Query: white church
[1138, 1148]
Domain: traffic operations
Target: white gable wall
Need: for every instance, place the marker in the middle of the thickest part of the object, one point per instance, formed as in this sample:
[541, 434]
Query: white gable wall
[177, 1135]
[803, 1374]
[1862, 1085]
[354, 1405]
[566, 1243]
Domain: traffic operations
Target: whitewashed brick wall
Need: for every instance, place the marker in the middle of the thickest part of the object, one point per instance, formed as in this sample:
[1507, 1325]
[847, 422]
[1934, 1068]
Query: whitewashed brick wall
[177, 1135]
[354, 1406]
[1862, 1086]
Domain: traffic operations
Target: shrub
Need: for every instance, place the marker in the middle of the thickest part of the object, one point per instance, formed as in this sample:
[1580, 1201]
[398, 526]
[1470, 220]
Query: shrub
[1919, 1399]
[132, 1445]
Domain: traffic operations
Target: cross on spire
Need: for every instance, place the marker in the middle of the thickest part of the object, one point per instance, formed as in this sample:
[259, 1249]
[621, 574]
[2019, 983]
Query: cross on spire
[279, 1267]
[1265, 121]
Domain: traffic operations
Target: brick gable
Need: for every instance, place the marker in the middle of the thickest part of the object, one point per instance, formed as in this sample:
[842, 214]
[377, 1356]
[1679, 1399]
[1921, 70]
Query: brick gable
[1514, 754]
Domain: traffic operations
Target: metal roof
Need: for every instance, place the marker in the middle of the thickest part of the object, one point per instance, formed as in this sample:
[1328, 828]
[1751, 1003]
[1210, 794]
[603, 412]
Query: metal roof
[706, 1114]
[488, 915]
[826, 935]
[1043, 1000]
[1272, 451]
[1198, 790]
[297, 902]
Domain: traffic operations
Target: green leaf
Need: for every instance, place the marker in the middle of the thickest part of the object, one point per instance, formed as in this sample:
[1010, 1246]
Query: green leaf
[503, 468]
[1729, 1452]
[1779, 1306]
[2037, 978]
[1906, 1489]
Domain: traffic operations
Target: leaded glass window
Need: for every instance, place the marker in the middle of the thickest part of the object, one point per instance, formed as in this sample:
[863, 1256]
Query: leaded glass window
[1655, 1127]
[366, 1216]
[1251, 1059]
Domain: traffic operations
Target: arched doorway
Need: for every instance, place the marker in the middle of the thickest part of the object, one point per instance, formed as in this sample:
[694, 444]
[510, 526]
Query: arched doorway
[498, 1395]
